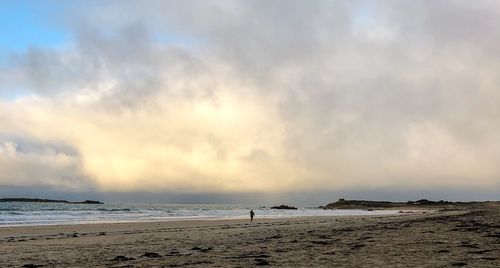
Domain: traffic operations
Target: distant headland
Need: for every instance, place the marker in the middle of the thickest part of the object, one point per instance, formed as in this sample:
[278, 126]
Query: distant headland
[41, 200]
[366, 204]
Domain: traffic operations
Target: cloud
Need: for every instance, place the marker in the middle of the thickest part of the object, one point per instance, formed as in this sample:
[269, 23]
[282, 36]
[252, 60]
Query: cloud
[263, 97]
[30, 162]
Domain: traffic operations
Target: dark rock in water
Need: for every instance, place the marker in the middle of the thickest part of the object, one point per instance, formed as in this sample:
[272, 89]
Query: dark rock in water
[90, 202]
[459, 264]
[122, 258]
[196, 248]
[30, 265]
[102, 233]
[283, 207]
[151, 255]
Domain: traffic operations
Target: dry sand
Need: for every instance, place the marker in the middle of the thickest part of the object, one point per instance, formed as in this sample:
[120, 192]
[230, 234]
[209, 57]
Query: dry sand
[465, 236]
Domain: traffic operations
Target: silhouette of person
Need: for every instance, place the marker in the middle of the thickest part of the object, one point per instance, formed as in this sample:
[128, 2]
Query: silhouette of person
[252, 214]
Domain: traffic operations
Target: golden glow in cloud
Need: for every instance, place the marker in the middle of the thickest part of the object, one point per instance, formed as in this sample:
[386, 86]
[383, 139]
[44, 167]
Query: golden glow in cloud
[227, 142]
[333, 96]
[231, 141]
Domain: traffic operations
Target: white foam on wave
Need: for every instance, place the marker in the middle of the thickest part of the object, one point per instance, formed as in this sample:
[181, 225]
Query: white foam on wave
[32, 214]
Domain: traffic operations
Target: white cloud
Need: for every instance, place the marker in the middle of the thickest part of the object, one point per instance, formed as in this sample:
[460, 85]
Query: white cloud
[43, 166]
[267, 96]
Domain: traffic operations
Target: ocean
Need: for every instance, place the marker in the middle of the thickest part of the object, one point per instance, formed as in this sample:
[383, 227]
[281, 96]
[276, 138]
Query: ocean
[31, 214]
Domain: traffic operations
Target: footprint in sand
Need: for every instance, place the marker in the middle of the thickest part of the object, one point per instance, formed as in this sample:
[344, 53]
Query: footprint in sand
[151, 255]
[121, 258]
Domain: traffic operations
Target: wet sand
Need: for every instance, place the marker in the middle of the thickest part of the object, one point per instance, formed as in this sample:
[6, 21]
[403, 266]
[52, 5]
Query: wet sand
[452, 237]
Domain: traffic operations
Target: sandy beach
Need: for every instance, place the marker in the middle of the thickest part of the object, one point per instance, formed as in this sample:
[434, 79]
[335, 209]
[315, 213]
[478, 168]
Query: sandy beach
[465, 236]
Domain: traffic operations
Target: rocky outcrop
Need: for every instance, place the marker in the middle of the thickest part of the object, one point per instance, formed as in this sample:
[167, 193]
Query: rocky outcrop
[361, 204]
[283, 207]
[364, 204]
[41, 200]
[93, 202]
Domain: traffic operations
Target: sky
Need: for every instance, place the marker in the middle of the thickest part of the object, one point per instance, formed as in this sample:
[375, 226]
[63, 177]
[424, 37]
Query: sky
[224, 101]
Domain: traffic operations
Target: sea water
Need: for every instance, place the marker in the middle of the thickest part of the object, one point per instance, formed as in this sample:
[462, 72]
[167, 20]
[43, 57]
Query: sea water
[26, 213]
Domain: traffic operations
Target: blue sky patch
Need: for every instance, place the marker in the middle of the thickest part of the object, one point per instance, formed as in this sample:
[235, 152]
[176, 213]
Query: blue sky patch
[25, 24]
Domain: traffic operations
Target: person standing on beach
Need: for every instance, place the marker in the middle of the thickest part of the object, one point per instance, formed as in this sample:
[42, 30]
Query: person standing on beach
[252, 214]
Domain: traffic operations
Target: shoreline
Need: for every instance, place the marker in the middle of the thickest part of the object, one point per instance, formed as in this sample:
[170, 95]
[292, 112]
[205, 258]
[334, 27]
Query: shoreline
[6, 231]
[441, 238]
[142, 218]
